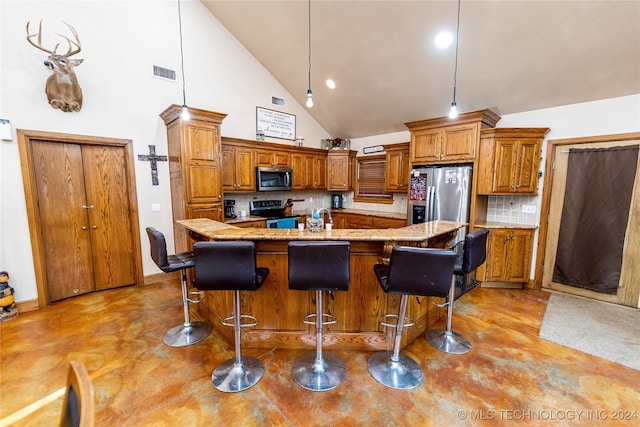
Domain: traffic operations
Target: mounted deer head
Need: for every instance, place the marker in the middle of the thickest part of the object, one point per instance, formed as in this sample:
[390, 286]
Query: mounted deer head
[63, 90]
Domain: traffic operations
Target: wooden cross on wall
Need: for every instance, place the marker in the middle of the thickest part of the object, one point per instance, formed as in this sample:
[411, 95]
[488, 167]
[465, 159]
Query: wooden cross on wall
[153, 159]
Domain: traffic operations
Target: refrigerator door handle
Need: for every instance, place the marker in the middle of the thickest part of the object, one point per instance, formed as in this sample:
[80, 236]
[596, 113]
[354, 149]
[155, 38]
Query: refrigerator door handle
[429, 205]
[427, 198]
[432, 213]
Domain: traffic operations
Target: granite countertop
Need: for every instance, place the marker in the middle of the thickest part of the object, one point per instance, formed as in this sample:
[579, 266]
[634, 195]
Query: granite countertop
[240, 219]
[496, 224]
[303, 212]
[413, 233]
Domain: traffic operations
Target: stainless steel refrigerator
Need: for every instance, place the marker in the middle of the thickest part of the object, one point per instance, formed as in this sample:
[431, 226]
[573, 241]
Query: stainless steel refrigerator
[440, 192]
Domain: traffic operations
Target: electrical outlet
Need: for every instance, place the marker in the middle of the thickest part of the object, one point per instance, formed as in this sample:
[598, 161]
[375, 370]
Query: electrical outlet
[155, 207]
[529, 209]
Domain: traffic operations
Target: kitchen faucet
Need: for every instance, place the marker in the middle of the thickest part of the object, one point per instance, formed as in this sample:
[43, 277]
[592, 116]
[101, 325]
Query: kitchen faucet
[328, 213]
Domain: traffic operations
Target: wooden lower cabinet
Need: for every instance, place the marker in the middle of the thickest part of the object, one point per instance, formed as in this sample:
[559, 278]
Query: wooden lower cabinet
[251, 224]
[355, 221]
[381, 222]
[359, 221]
[508, 255]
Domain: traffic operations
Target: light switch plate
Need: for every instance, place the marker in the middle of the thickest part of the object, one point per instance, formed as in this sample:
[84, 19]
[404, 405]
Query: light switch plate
[155, 207]
[528, 208]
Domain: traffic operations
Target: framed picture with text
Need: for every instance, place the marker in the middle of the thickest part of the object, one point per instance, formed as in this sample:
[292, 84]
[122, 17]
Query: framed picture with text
[275, 124]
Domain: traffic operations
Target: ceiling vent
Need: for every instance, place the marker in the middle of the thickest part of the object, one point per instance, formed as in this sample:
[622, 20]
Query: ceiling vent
[164, 73]
[276, 100]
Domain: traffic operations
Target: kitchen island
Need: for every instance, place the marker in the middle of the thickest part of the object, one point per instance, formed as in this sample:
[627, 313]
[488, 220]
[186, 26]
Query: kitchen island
[280, 310]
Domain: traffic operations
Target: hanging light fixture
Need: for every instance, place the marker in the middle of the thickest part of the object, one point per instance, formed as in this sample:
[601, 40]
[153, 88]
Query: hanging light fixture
[453, 112]
[309, 92]
[185, 111]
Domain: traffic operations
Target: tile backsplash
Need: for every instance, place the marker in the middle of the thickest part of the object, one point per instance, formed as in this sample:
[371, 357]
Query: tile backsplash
[301, 200]
[508, 209]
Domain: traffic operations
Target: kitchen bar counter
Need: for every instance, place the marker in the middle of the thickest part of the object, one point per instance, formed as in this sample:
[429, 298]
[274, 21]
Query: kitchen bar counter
[280, 310]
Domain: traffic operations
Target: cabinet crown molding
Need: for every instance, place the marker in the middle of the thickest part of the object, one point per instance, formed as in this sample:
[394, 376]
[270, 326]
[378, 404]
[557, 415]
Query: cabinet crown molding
[514, 132]
[173, 112]
[487, 119]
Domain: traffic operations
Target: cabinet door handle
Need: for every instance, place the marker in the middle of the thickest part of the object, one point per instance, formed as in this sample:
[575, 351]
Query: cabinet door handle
[94, 227]
[87, 207]
[84, 227]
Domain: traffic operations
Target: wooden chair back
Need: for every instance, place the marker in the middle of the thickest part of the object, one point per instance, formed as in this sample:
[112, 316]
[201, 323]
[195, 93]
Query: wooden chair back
[78, 409]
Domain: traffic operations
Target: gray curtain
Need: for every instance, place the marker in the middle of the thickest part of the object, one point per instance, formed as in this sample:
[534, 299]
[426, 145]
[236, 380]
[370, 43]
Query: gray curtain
[594, 217]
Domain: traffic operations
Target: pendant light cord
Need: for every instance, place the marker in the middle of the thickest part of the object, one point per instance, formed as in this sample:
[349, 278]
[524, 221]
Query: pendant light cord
[309, 44]
[455, 70]
[184, 92]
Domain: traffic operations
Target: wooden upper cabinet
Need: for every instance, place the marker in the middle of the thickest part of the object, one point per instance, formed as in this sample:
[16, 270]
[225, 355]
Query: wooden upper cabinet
[238, 168]
[299, 167]
[319, 172]
[272, 159]
[445, 140]
[195, 167]
[309, 171]
[397, 168]
[509, 159]
[340, 170]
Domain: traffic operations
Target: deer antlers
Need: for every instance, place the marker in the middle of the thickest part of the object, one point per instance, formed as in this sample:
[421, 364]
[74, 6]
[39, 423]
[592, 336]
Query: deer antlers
[71, 43]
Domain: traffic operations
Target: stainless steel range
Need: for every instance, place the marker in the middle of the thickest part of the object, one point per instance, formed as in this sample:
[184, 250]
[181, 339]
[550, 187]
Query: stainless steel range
[274, 212]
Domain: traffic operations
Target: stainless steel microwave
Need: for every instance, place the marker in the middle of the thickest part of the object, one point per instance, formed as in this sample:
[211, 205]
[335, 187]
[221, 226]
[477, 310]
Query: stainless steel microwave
[274, 179]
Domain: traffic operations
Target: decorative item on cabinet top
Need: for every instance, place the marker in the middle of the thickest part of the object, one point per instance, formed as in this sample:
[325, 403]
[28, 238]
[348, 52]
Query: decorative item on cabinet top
[275, 124]
[336, 144]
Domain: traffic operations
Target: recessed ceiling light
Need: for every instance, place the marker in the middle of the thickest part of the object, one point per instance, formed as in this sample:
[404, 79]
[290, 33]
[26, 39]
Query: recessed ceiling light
[444, 39]
[331, 84]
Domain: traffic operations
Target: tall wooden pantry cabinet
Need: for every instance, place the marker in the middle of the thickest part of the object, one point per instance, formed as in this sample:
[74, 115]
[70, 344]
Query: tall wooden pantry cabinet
[195, 163]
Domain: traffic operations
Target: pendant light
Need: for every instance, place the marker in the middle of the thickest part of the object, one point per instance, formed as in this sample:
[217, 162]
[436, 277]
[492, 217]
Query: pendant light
[185, 111]
[309, 92]
[453, 112]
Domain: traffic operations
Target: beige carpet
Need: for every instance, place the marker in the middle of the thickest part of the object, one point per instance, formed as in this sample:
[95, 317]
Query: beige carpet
[601, 329]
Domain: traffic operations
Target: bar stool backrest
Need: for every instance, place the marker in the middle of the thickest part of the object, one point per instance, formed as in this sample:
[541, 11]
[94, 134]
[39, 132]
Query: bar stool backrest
[158, 247]
[321, 265]
[420, 271]
[225, 266]
[474, 252]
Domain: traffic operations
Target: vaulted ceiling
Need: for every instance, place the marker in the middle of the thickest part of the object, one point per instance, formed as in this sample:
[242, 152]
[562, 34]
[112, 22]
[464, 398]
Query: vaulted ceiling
[514, 56]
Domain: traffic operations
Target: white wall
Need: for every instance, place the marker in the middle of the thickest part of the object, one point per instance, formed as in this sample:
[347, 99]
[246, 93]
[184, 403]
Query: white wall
[120, 42]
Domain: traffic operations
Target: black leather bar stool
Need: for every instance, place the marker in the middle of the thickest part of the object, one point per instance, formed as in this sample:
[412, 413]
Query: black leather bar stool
[189, 332]
[474, 253]
[411, 271]
[231, 266]
[319, 266]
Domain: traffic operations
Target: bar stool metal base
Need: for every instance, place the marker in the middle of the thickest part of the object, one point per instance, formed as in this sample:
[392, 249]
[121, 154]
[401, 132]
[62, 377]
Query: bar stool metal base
[231, 377]
[325, 374]
[448, 341]
[403, 374]
[182, 336]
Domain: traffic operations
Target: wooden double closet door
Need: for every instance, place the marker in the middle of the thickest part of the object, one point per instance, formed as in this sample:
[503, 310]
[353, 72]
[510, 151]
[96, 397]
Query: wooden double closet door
[83, 218]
